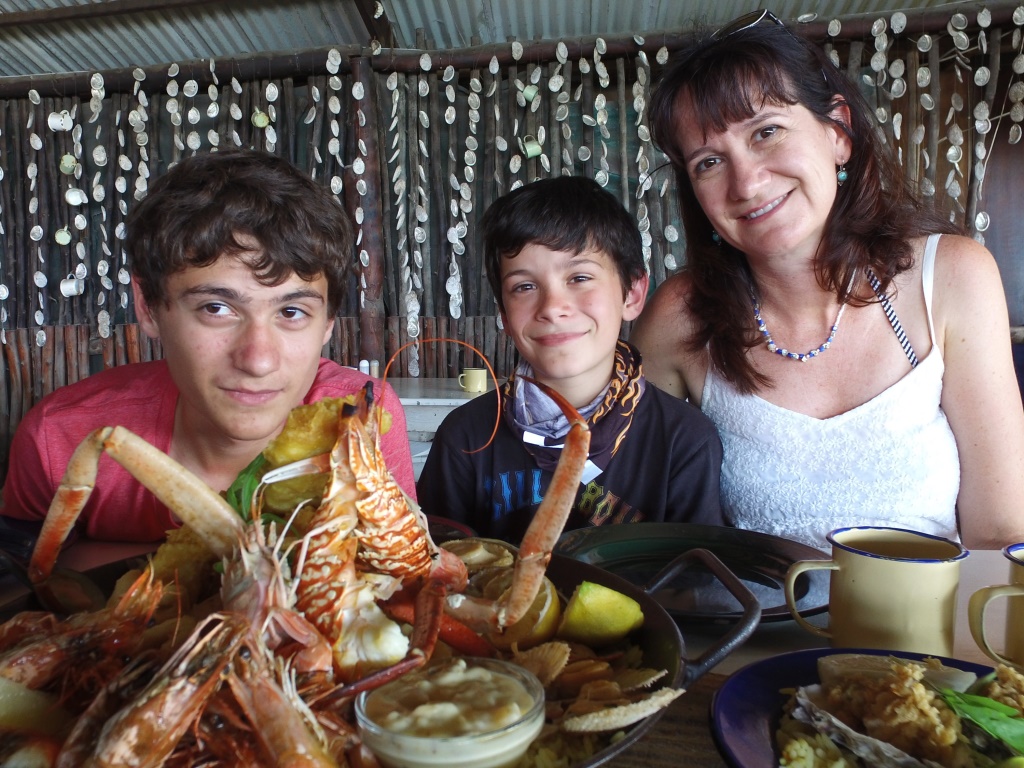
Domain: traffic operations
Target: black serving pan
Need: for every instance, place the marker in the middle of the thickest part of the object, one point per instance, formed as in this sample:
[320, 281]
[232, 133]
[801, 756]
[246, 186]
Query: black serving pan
[660, 639]
[642, 553]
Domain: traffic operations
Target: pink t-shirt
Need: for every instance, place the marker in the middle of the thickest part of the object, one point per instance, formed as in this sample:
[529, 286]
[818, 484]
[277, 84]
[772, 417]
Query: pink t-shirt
[141, 397]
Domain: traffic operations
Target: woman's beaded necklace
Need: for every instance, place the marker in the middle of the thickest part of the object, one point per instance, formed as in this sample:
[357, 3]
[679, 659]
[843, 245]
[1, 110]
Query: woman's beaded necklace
[804, 357]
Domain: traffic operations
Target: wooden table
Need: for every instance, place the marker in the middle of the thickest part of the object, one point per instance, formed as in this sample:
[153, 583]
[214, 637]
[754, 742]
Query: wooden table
[683, 736]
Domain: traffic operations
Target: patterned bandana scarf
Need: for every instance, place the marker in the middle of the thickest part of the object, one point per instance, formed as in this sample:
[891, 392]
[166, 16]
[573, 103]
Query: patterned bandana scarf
[527, 410]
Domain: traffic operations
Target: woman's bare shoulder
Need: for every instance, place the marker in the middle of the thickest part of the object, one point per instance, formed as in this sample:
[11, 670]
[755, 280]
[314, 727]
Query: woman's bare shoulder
[663, 333]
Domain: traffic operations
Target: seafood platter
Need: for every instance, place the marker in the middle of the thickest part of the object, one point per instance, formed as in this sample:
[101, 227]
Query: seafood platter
[248, 637]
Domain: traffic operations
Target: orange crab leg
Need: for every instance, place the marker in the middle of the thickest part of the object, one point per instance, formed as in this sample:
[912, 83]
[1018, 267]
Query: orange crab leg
[540, 537]
[192, 500]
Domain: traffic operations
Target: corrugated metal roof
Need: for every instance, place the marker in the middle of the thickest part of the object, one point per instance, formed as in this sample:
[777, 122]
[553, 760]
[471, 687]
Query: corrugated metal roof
[38, 38]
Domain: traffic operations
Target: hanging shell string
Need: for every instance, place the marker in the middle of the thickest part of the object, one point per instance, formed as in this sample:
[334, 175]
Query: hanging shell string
[801, 357]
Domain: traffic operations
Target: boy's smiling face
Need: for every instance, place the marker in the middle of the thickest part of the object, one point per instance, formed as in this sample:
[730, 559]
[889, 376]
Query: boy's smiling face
[564, 311]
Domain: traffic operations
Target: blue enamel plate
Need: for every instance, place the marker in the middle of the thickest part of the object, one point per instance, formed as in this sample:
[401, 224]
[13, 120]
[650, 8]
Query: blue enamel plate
[746, 710]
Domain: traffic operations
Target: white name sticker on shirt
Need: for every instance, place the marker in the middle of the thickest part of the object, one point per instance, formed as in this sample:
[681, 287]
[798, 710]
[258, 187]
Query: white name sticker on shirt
[590, 470]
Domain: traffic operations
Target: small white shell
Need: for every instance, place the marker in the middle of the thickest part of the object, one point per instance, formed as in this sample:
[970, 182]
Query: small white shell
[425, 62]
[272, 92]
[76, 196]
[358, 90]
[336, 185]
[235, 111]
[35, 141]
[191, 88]
[561, 52]
[96, 81]
[193, 115]
[517, 50]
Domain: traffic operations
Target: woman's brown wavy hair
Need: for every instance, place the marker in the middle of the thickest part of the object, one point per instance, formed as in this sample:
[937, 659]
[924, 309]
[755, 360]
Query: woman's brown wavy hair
[875, 212]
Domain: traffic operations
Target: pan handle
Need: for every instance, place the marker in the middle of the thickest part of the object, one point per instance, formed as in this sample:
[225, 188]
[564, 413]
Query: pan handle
[738, 634]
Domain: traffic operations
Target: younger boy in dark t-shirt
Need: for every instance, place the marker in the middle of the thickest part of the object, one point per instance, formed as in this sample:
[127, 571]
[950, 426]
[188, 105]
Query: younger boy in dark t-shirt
[566, 264]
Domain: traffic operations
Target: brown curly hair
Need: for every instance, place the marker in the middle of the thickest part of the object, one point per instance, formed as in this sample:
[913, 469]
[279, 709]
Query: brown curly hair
[196, 212]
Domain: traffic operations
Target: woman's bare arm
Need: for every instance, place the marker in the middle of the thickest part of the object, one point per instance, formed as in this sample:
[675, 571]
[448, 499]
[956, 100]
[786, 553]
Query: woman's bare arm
[980, 395]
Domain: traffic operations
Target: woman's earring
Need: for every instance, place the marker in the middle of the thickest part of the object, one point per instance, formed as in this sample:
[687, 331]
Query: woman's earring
[841, 175]
[715, 237]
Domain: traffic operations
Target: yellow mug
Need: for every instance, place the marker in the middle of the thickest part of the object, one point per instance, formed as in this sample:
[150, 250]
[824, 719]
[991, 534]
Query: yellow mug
[473, 379]
[1013, 652]
[890, 588]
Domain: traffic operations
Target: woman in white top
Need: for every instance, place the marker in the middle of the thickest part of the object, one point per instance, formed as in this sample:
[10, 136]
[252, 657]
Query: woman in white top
[859, 372]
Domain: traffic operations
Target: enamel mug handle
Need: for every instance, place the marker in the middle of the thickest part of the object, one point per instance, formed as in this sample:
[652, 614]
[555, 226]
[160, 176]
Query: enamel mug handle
[976, 615]
[791, 575]
[462, 380]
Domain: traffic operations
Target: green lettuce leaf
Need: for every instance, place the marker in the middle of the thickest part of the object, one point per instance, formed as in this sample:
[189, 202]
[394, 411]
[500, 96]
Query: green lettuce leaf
[997, 720]
[239, 494]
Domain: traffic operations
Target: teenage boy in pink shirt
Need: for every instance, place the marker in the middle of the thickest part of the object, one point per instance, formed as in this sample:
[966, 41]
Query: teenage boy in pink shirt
[239, 265]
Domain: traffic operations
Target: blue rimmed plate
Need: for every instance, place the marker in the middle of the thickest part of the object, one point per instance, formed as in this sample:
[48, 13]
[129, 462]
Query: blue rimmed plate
[746, 710]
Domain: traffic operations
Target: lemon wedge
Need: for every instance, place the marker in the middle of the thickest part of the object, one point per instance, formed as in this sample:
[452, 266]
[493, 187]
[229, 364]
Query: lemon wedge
[597, 615]
[538, 624]
[28, 710]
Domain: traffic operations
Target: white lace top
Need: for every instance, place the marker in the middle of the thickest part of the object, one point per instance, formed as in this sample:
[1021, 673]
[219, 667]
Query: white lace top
[891, 461]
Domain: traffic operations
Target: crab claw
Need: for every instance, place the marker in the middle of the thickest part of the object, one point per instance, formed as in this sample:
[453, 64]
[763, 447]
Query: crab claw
[188, 497]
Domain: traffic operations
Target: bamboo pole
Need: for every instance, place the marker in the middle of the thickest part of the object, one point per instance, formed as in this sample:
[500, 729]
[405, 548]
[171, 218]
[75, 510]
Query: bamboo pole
[371, 313]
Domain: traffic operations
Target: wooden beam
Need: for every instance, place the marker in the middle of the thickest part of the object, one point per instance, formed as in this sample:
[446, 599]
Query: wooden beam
[378, 25]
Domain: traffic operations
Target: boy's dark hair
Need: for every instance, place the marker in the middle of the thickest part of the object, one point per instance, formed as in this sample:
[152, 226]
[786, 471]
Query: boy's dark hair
[195, 212]
[563, 213]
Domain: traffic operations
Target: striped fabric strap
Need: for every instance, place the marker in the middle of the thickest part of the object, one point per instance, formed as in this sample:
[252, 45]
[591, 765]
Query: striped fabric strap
[894, 321]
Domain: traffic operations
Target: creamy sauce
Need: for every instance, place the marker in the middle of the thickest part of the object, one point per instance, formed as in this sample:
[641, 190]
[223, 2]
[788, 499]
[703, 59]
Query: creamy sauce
[455, 715]
[452, 700]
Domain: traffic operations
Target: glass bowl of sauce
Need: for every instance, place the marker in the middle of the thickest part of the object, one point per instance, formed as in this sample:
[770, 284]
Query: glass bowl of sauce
[462, 713]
